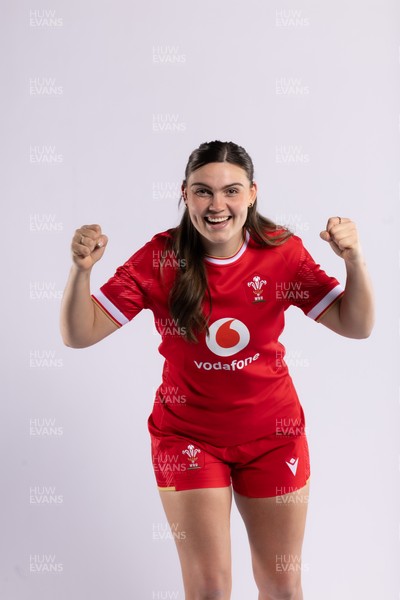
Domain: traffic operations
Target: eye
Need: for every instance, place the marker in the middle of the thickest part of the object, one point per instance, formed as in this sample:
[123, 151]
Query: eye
[202, 192]
[232, 191]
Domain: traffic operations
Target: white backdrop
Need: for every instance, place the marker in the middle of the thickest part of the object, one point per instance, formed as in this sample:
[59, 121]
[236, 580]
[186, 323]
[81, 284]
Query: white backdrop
[102, 102]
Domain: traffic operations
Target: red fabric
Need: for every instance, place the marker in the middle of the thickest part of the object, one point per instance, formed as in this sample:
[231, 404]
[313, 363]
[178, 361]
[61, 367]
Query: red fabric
[232, 387]
[272, 466]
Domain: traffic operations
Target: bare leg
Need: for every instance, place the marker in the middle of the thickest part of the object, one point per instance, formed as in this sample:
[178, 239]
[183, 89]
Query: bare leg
[275, 527]
[203, 516]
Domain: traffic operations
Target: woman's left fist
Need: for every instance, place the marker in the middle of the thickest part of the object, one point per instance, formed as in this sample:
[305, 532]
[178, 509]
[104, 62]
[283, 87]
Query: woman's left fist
[342, 235]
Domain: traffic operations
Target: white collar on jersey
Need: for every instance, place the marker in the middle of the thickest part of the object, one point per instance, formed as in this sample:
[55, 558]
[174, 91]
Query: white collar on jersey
[230, 259]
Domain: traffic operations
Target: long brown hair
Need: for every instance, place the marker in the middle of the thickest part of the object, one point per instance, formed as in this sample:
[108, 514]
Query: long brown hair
[190, 286]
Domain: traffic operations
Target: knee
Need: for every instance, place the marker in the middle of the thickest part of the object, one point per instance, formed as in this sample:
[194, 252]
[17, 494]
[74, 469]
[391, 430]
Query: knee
[212, 588]
[282, 588]
[213, 594]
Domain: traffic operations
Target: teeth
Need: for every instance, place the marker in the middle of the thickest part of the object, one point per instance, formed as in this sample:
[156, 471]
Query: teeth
[217, 219]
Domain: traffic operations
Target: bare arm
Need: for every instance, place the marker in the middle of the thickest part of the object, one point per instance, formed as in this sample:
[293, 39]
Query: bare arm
[82, 322]
[353, 314]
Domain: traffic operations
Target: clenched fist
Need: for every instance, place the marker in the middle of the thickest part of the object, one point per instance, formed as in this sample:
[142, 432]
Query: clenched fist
[341, 233]
[88, 245]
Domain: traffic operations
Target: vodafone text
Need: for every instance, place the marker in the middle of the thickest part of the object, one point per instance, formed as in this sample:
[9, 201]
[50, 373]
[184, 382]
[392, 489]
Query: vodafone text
[232, 366]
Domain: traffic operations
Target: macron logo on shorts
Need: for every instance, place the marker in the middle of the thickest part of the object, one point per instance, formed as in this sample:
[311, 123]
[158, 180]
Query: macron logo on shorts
[292, 464]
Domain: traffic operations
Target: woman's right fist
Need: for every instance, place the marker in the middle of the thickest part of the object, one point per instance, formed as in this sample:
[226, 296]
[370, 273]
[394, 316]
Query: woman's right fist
[88, 245]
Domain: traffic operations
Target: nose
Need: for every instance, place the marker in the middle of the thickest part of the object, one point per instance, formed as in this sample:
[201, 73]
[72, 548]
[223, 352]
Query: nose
[217, 202]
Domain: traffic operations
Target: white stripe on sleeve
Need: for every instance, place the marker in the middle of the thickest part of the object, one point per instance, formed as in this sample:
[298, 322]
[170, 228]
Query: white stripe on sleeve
[109, 306]
[325, 302]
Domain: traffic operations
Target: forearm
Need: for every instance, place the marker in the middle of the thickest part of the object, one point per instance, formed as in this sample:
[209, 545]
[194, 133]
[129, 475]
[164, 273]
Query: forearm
[357, 304]
[77, 310]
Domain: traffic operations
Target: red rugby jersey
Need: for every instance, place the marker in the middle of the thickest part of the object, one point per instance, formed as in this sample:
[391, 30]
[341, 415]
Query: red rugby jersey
[233, 386]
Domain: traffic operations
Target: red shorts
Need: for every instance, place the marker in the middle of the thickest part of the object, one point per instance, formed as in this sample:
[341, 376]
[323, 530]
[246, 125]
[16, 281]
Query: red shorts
[272, 466]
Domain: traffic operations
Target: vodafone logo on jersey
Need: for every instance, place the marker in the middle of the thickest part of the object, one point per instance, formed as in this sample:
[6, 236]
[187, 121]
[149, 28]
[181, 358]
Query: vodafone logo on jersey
[227, 336]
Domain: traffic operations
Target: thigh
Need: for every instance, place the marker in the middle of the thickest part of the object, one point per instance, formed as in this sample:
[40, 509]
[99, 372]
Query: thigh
[202, 517]
[275, 528]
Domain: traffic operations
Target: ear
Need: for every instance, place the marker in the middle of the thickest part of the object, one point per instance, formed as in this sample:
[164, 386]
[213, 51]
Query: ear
[253, 192]
[183, 192]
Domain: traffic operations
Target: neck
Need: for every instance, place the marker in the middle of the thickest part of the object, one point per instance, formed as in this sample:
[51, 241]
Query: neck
[224, 250]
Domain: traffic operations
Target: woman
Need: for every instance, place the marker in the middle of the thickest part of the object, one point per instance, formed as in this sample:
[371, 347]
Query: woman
[226, 412]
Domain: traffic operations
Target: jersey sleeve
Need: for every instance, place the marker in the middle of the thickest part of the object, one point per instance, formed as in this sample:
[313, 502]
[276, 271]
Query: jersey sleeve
[316, 291]
[126, 293]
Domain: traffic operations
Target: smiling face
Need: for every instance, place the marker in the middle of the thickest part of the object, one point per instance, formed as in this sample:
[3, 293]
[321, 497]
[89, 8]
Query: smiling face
[217, 197]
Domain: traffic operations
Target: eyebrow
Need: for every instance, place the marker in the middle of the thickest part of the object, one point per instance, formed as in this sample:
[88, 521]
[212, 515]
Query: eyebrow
[224, 187]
